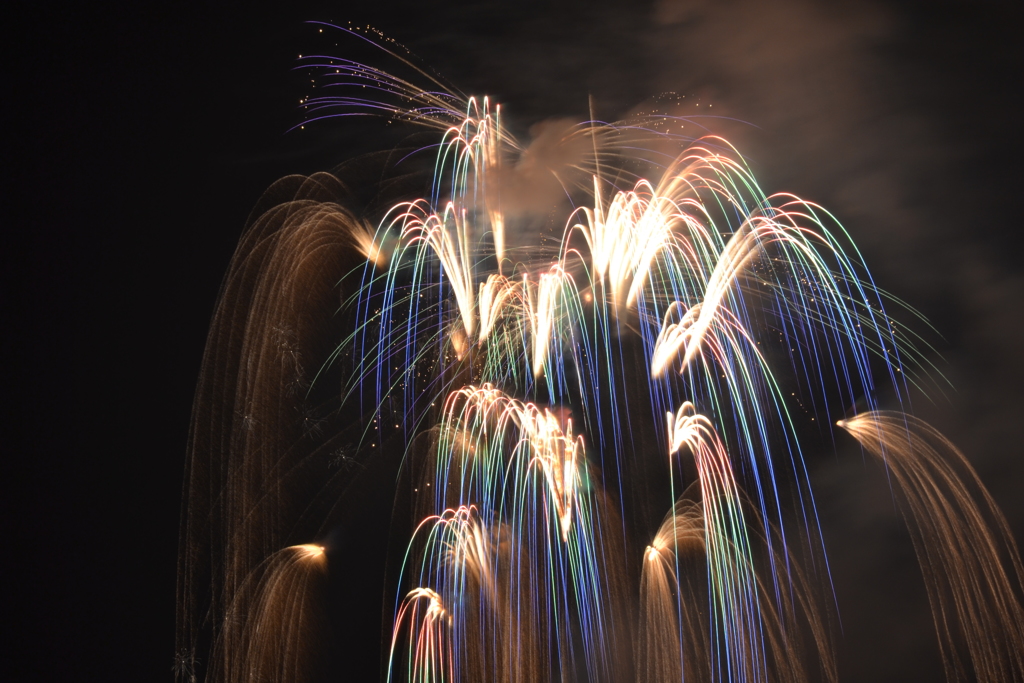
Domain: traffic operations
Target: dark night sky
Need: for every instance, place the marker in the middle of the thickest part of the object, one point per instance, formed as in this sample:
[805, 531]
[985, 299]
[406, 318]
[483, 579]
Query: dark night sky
[142, 137]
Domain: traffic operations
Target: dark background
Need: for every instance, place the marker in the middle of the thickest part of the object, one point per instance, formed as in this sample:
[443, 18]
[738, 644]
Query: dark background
[140, 136]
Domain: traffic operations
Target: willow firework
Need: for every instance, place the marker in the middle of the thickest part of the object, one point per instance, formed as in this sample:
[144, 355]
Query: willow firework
[543, 397]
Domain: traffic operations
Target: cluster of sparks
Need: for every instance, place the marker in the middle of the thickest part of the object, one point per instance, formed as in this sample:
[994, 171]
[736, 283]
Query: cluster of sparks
[512, 566]
[517, 552]
[539, 377]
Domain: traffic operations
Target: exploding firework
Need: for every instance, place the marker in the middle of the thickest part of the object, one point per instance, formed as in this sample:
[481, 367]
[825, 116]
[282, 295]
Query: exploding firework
[542, 396]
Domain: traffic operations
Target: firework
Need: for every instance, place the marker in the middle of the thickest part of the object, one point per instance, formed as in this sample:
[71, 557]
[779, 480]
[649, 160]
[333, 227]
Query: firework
[531, 397]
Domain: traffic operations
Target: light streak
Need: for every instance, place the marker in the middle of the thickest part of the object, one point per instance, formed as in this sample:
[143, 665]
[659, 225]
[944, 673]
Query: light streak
[733, 585]
[962, 541]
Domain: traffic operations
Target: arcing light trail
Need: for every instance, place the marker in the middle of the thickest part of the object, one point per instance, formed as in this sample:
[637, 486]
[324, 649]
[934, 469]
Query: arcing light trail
[970, 561]
[530, 385]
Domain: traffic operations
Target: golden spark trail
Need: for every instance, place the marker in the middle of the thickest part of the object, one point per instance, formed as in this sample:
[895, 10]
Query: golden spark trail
[970, 562]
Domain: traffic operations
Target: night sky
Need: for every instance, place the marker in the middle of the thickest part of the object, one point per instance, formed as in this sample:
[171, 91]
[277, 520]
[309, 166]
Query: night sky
[142, 136]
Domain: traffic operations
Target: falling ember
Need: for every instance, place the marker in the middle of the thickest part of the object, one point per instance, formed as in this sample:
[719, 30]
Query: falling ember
[657, 320]
[653, 553]
[366, 241]
[309, 551]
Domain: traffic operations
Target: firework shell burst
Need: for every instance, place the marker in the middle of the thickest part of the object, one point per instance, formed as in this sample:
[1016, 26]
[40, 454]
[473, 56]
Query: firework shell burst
[527, 390]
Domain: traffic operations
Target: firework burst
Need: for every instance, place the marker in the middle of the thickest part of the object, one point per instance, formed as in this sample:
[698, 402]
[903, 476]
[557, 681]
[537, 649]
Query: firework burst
[539, 398]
